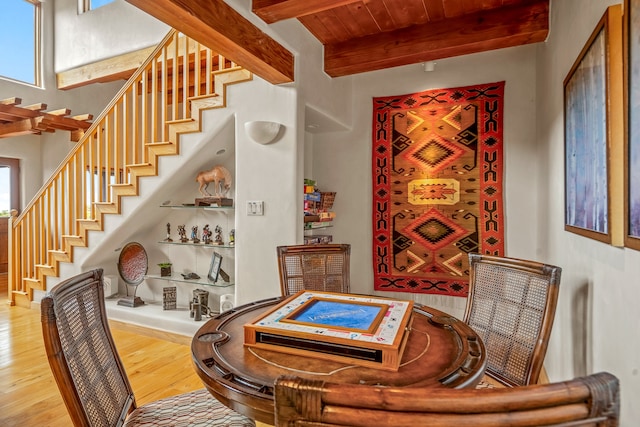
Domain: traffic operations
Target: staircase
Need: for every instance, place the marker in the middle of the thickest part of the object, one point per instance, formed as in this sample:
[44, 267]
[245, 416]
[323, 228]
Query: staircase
[162, 100]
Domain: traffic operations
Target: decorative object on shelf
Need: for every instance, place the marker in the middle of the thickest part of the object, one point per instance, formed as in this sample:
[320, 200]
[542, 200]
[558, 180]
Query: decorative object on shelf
[224, 275]
[214, 269]
[213, 201]
[221, 179]
[226, 302]
[232, 237]
[194, 234]
[169, 298]
[132, 266]
[182, 233]
[190, 276]
[206, 235]
[199, 304]
[437, 186]
[168, 239]
[218, 238]
[165, 269]
[262, 132]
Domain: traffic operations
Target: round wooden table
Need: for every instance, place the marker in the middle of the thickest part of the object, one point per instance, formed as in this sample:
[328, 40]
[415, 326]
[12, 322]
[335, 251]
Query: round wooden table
[441, 351]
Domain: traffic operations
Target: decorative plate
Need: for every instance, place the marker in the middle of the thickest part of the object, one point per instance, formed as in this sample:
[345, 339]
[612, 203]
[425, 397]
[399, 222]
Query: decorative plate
[133, 263]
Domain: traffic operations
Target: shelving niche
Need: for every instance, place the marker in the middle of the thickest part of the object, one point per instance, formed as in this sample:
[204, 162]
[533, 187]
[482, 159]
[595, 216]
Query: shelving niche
[187, 257]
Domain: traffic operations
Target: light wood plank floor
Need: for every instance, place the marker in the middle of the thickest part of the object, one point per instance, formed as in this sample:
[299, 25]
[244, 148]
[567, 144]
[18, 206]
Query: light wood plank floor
[157, 367]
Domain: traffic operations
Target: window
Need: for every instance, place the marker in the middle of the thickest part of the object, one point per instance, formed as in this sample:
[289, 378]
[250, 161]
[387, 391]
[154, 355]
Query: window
[86, 5]
[20, 38]
[9, 185]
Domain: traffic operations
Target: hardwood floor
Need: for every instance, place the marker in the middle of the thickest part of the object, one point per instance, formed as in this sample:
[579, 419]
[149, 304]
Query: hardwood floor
[156, 367]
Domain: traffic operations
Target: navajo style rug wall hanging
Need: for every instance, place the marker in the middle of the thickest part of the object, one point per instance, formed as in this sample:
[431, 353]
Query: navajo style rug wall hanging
[437, 187]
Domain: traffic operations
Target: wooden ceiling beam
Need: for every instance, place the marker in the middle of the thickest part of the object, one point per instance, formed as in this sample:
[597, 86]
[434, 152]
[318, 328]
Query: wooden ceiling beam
[479, 32]
[271, 11]
[217, 26]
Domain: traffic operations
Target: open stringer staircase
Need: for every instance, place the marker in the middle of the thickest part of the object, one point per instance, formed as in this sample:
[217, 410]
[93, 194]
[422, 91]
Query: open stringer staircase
[162, 99]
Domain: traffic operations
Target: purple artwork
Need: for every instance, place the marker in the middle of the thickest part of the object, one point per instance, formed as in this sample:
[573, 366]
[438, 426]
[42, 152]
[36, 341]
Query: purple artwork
[586, 190]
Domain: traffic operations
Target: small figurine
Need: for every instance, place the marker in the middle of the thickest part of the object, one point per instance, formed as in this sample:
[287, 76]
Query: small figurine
[168, 239]
[194, 234]
[206, 235]
[182, 233]
[218, 239]
[232, 237]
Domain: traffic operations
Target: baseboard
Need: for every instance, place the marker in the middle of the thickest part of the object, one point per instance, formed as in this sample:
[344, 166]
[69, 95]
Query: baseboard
[150, 332]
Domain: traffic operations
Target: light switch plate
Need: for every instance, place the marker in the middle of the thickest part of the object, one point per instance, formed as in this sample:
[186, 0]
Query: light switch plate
[255, 208]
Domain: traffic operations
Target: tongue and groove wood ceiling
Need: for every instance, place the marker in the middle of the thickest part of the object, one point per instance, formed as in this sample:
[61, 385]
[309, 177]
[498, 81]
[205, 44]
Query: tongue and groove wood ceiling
[358, 35]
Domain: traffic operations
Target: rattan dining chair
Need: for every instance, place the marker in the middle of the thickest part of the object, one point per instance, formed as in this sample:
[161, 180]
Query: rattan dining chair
[593, 400]
[314, 267]
[511, 305]
[91, 376]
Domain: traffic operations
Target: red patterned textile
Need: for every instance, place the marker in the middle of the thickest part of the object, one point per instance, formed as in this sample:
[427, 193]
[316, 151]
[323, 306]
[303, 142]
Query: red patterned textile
[437, 187]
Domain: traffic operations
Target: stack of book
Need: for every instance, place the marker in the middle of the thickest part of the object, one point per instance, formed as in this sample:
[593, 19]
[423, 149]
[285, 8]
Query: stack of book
[317, 212]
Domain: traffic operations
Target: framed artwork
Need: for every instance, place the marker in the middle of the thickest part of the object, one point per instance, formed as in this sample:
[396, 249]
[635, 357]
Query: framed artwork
[594, 135]
[214, 268]
[632, 140]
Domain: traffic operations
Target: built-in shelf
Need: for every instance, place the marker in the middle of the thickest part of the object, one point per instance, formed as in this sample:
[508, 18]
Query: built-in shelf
[201, 281]
[151, 315]
[208, 208]
[201, 245]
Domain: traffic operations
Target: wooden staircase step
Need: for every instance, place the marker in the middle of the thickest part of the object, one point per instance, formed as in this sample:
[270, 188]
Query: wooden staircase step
[32, 283]
[90, 224]
[59, 256]
[164, 148]
[107, 207]
[74, 240]
[46, 270]
[21, 299]
[125, 189]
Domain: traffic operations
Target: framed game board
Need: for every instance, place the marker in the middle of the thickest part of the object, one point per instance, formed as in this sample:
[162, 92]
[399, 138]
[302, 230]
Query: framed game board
[363, 330]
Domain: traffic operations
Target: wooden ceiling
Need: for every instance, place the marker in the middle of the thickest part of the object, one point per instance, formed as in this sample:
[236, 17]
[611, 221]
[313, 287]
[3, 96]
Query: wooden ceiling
[366, 35]
[358, 35]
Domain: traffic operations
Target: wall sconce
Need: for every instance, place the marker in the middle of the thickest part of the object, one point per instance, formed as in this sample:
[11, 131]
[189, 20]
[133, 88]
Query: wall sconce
[262, 132]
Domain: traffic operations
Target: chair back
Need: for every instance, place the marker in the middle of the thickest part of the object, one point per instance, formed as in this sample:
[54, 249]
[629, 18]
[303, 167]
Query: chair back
[82, 354]
[593, 400]
[511, 305]
[314, 267]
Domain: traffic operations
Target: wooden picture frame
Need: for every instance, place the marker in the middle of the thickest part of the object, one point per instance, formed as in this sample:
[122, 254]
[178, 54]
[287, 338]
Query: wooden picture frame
[594, 135]
[632, 128]
[214, 268]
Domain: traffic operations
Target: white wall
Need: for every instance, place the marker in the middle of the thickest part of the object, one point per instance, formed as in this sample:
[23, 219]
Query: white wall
[342, 160]
[596, 320]
[102, 33]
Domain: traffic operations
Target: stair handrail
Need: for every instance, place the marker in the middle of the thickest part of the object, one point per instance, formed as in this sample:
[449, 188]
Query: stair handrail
[107, 157]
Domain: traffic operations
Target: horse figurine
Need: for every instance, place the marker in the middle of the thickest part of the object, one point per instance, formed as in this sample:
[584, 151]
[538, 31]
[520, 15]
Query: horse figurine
[218, 175]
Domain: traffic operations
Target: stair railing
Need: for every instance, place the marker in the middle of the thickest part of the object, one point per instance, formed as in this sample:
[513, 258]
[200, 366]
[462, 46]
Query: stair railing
[121, 145]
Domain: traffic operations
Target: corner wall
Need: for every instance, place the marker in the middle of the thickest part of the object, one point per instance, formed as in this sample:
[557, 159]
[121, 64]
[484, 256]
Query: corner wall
[342, 160]
[596, 319]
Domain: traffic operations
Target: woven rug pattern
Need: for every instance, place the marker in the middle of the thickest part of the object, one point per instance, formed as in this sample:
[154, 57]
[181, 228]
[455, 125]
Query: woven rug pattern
[437, 187]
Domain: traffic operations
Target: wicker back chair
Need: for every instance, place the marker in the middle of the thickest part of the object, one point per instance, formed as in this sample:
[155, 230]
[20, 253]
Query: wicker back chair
[593, 400]
[314, 267]
[511, 305]
[90, 374]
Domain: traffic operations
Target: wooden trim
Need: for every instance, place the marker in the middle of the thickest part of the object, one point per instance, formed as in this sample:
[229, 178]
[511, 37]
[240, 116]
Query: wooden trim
[119, 67]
